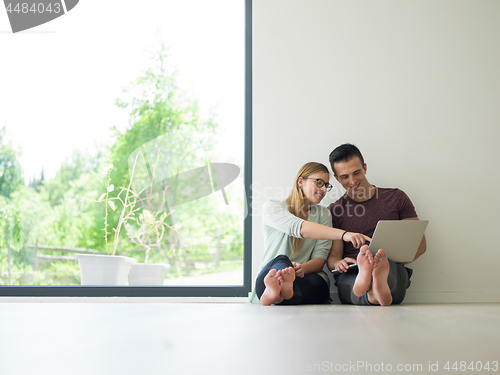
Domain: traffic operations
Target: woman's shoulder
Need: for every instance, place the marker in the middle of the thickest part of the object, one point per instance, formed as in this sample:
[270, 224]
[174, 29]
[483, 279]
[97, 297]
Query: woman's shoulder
[273, 207]
[275, 203]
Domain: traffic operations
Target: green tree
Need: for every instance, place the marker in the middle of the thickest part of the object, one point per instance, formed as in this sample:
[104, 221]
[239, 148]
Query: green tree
[10, 169]
[11, 239]
[36, 183]
[62, 211]
[71, 171]
[158, 107]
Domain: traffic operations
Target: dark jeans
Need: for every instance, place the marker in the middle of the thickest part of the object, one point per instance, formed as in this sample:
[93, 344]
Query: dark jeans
[308, 290]
[398, 281]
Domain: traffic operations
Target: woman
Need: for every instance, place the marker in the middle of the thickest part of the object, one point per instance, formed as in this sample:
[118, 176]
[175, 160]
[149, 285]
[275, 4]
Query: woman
[297, 239]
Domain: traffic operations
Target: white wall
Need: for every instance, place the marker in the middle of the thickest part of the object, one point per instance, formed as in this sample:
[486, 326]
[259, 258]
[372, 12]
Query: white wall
[416, 85]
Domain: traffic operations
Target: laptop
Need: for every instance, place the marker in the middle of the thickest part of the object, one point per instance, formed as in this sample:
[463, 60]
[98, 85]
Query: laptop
[400, 239]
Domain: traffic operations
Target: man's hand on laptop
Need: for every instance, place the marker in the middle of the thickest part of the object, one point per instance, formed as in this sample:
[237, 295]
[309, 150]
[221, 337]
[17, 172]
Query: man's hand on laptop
[343, 264]
[357, 239]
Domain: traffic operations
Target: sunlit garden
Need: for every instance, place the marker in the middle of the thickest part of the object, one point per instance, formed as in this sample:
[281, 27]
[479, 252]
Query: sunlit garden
[121, 200]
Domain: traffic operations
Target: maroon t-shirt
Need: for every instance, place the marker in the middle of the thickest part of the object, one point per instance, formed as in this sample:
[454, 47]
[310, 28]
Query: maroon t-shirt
[362, 217]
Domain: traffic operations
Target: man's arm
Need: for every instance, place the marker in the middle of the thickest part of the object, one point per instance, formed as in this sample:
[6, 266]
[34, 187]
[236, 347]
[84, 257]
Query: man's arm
[423, 244]
[335, 260]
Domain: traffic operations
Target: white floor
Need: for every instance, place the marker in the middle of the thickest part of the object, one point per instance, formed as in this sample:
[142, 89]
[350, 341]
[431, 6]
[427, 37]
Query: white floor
[240, 338]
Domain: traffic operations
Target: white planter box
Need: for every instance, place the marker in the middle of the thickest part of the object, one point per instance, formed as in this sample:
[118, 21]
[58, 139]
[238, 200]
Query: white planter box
[147, 274]
[104, 269]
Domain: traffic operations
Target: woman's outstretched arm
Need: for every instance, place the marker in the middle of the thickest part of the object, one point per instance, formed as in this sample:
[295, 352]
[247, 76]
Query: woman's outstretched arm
[317, 231]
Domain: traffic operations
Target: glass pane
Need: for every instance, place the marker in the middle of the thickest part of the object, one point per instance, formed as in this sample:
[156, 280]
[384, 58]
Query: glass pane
[122, 134]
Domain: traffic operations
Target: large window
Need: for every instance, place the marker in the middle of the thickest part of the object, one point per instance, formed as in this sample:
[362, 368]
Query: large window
[125, 133]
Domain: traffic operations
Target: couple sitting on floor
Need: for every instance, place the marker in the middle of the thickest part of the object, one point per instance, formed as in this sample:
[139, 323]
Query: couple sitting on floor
[298, 235]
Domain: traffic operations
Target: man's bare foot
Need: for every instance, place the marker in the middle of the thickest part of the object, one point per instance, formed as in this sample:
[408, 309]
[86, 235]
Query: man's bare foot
[364, 278]
[380, 287]
[288, 276]
[273, 288]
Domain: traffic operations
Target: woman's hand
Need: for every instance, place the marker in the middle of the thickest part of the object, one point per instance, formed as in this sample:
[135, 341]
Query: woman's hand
[343, 264]
[357, 239]
[299, 272]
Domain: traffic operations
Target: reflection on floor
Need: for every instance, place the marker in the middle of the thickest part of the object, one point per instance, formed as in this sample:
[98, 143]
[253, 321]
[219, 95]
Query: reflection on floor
[241, 338]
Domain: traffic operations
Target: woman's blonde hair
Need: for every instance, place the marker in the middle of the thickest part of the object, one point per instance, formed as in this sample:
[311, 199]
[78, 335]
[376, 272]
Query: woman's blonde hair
[295, 200]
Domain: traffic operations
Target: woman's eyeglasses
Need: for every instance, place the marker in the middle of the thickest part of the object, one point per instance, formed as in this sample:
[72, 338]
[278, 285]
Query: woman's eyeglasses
[320, 183]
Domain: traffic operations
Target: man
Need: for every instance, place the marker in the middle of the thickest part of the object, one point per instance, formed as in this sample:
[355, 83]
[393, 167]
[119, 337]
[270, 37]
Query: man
[377, 281]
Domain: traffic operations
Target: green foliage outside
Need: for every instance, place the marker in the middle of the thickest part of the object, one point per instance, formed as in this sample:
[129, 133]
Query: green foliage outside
[66, 212]
[10, 170]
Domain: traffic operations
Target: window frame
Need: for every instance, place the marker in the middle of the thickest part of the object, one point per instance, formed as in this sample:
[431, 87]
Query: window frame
[177, 291]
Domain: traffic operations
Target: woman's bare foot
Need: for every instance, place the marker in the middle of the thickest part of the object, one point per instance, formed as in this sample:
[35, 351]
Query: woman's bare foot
[364, 278]
[273, 288]
[288, 277]
[380, 287]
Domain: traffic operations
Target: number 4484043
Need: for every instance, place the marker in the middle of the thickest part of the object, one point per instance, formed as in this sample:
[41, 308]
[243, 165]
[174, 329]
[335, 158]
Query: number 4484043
[472, 366]
[35, 8]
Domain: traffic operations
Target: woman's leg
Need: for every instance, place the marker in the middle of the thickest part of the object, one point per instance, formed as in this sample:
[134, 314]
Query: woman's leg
[311, 289]
[279, 263]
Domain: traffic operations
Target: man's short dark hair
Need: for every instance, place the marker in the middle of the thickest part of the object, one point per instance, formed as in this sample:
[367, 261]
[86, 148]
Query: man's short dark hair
[344, 153]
